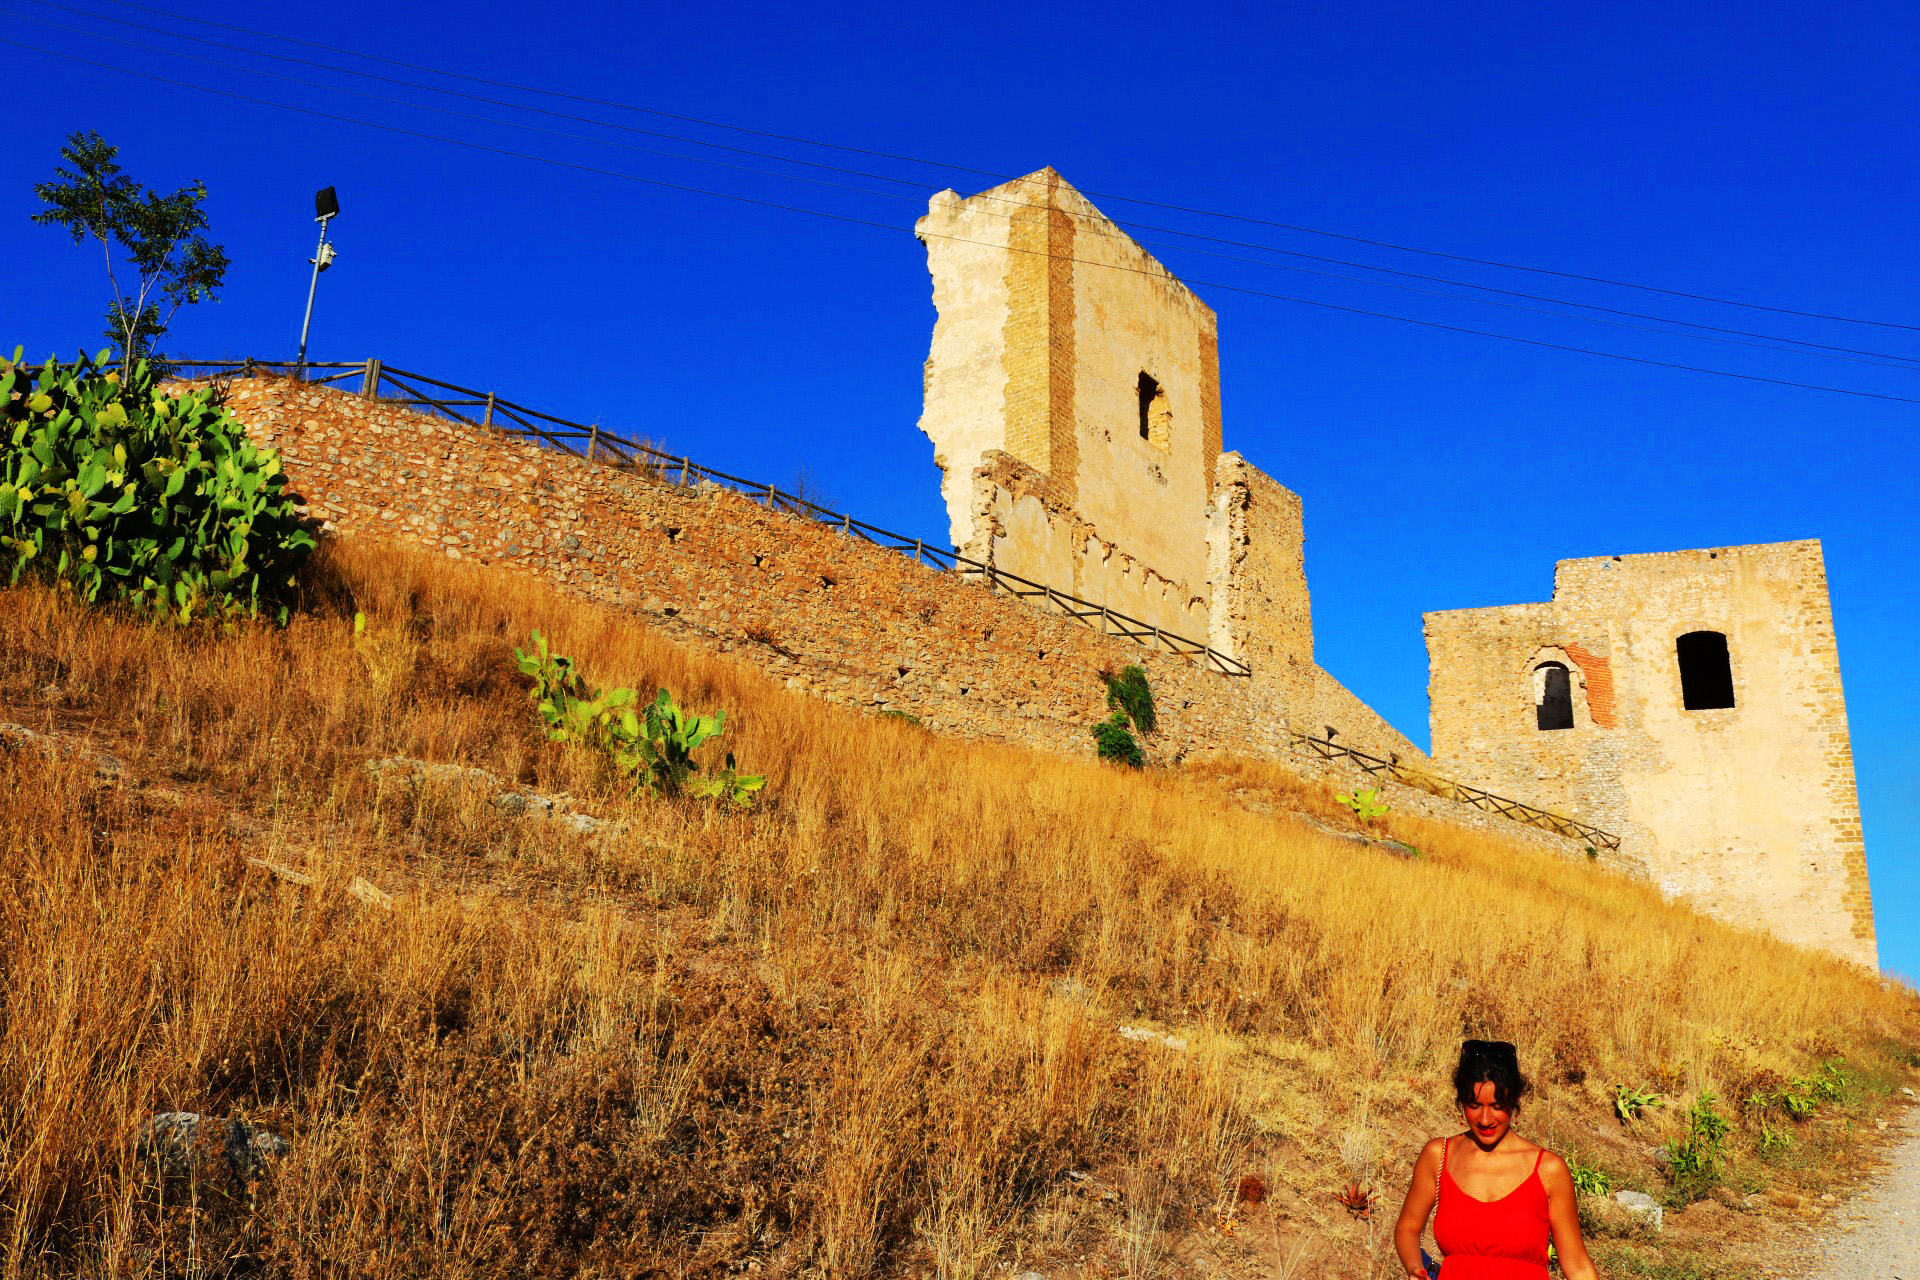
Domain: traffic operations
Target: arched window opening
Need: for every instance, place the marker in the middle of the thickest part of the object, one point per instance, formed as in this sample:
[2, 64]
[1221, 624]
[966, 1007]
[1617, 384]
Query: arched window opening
[1156, 416]
[1706, 673]
[1552, 696]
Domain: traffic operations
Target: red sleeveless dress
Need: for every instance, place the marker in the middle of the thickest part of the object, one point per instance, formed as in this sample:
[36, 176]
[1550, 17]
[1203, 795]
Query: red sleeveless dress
[1504, 1239]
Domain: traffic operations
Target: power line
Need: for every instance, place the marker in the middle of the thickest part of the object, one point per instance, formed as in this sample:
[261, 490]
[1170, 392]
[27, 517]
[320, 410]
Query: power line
[866, 222]
[1003, 177]
[1879, 358]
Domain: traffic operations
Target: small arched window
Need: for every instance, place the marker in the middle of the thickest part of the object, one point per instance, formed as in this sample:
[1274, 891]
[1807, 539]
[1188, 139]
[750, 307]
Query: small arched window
[1156, 417]
[1706, 672]
[1552, 696]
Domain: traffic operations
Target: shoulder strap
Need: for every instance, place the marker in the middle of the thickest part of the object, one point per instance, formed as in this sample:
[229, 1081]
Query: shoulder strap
[1446, 1145]
[1538, 1157]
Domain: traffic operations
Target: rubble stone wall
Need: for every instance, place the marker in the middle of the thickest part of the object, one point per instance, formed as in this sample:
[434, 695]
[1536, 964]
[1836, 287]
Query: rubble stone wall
[828, 614]
[1748, 810]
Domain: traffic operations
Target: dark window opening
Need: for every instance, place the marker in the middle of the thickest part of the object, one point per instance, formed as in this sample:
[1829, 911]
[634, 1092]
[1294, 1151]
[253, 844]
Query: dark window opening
[1553, 693]
[1156, 418]
[1706, 673]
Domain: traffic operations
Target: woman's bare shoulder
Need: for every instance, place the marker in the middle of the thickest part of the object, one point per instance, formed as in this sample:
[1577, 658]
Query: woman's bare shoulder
[1552, 1166]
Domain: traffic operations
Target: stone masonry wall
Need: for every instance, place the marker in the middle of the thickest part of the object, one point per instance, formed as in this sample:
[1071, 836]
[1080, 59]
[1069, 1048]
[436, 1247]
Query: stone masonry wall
[1257, 565]
[831, 615]
[1049, 316]
[1748, 810]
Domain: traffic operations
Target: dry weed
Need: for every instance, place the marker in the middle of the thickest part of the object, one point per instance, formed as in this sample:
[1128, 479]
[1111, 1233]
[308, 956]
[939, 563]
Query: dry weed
[867, 1029]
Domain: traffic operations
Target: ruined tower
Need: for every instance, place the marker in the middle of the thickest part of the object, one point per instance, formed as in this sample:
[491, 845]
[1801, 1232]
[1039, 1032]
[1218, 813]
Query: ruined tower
[1688, 700]
[1073, 399]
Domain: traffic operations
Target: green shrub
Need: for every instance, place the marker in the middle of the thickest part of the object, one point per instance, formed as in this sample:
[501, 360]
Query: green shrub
[1128, 692]
[653, 748]
[130, 493]
[894, 713]
[1366, 803]
[1113, 740]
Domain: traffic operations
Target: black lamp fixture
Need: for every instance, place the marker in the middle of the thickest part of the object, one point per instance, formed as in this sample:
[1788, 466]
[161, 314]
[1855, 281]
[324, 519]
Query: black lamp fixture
[326, 207]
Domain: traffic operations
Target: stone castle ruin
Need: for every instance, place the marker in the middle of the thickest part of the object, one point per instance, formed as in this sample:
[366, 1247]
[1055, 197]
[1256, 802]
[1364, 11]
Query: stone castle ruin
[1073, 400]
[1689, 702]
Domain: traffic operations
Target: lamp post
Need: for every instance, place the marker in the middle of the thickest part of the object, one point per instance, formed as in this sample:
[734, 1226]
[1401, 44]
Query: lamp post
[326, 206]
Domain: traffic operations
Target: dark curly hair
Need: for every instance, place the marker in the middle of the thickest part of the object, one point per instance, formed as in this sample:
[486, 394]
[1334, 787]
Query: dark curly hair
[1491, 1062]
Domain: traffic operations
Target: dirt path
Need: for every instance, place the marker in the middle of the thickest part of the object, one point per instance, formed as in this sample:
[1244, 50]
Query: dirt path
[1876, 1236]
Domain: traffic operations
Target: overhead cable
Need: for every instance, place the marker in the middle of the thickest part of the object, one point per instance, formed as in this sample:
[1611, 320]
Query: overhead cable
[1004, 177]
[893, 229]
[1762, 340]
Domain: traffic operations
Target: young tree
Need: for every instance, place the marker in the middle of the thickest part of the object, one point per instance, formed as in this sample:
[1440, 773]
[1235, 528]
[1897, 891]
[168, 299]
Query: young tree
[172, 263]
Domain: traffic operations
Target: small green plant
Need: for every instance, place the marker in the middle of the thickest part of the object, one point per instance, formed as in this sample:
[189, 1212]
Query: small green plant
[892, 713]
[1593, 854]
[1805, 1095]
[1366, 803]
[1630, 1103]
[1128, 692]
[1589, 1179]
[128, 492]
[1773, 1140]
[654, 748]
[1114, 740]
[1694, 1158]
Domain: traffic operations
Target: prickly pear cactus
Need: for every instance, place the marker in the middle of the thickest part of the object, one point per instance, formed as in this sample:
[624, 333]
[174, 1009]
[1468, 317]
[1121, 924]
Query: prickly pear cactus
[131, 493]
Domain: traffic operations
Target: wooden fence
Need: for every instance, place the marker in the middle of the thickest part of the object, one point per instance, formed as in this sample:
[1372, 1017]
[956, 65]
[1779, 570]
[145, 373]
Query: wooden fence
[376, 381]
[1517, 810]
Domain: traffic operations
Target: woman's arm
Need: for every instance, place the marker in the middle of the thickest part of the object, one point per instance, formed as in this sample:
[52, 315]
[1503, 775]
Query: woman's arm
[1563, 1216]
[1413, 1214]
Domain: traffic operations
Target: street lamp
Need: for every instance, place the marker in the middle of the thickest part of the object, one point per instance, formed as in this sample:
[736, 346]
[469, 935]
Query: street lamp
[326, 206]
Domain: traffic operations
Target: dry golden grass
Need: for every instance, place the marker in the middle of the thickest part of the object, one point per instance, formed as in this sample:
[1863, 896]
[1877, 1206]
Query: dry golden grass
[867, 1029]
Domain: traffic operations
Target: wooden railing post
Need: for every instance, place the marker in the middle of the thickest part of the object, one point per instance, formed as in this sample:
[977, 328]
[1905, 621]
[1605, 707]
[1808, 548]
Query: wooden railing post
[370, 382]
[486, 418]
[593, 436]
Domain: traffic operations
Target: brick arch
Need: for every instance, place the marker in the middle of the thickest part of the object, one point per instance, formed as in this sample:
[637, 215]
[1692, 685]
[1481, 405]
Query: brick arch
[1590, 682]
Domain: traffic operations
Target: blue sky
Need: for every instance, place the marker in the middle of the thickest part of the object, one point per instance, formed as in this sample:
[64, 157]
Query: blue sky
[1754, 152]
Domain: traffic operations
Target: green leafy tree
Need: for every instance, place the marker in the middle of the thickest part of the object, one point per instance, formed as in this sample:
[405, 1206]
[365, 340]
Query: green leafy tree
[168, 261]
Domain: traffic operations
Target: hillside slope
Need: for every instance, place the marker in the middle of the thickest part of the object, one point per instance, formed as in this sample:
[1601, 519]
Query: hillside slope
[871, 1027]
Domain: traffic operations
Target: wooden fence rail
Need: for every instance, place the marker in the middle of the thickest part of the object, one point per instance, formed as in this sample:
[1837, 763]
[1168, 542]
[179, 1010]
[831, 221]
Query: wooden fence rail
[595, 443]
[1517, 810]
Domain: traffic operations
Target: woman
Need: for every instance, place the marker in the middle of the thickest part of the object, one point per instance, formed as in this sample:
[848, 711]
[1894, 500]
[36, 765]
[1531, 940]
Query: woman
[1499, 1194]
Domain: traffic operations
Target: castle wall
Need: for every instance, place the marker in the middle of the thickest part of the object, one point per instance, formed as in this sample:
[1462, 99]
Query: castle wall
[1257, 568]
[829, 615]
[1048, 318]
[1749, 810]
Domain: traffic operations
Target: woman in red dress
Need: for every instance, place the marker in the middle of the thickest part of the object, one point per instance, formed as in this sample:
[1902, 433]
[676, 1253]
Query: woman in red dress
[1500, 1196]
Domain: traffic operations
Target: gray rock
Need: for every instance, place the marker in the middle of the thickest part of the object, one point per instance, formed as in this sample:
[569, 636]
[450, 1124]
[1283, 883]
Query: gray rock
[557, 809]
[1642, 1205]
[1147, 1036]
[188, 1145]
